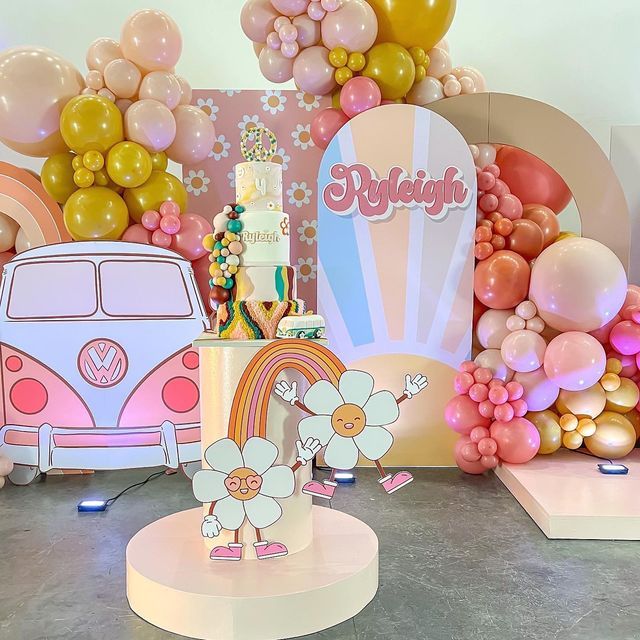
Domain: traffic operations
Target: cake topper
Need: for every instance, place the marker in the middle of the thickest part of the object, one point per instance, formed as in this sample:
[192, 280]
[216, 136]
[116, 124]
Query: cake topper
[258, 152]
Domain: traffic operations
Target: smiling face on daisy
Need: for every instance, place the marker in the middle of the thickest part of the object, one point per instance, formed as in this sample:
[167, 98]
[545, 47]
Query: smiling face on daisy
[243, 483]
[349, 419]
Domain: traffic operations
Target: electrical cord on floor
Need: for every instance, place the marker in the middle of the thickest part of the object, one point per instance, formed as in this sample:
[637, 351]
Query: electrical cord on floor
[153, 476]
[592, 455]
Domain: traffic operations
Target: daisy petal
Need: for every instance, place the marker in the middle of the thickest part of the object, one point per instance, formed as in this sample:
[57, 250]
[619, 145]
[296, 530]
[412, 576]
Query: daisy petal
[224, 455]
[322, 398]
[374, 442]
[316, 427]
[341, 453]
[278, 482]
[259, 454]
[262, 511]
[230, 512]
[209, 485]
[355, 387]
[381, 409]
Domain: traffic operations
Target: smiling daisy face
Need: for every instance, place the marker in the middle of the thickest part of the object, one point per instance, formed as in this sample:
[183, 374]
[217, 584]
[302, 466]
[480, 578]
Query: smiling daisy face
[349, 420]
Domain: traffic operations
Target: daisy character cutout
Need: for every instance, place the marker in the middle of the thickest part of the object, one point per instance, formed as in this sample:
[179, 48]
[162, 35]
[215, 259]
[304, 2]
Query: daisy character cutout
[242, 485]
[351, 420]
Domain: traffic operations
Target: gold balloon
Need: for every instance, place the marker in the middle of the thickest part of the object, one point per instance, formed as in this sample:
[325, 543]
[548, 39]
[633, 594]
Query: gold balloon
[159, 161]
[548, 425]
[57, 176]
[572, 440]
[586, 427]
[634, 418]
[129, 164]
[96, 213]
[91, 123]
[335, 100]
[587, 403]
[413, 22]
[83, 177]
[615, 436]
[392, 68]
[161, 186]
[624, 398]
[93, 160]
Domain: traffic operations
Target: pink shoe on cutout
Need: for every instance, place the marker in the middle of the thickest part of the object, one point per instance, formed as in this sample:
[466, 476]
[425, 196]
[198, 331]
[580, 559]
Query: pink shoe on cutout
[392, 483]
[266, 550]
[231, 552]
[324, 489]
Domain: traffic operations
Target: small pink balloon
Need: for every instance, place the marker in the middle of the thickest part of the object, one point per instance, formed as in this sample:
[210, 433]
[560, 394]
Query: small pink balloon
[488, 203]
[470, 452]
[288, 33]
[170, 224]
[468, 365]
[500, 188]
[629, 364]
[520, 408]
[493, 169]
[87, 91]
[359, 94]
[625, 337]
[632, 299]
[169, 208]
[539, 392]
[354, 26]
[478, 433]
[463, 382]
[526, 310]
[150, 124]
[452, 88]
[290, 7]
[479, 392]
[462, 415]
[123, 104]
[308, 30]
[257, 18]
[161, 86]
[486, 181]
[107, 93]
[313, 72]
[495, 383]
[487, 446]
[515, 390]
[316, 12]
[150, 220]
[280, 23]
[439, 63]
[185, 90]
[137, 233]
[235, 248]
[489, 462]
[486, 409]
[518, 440]
[509, 206]
[475, 468]
[122, 77]
[161, 239]
[535, 324]
[504, 412]
[515, 323]
[330, 5]
[482, 375]
[273, 41]
[290, 49]
[498, 395]
[274, 66]
[188, 240]
[195, 135]
[326, 125]
[94, 80]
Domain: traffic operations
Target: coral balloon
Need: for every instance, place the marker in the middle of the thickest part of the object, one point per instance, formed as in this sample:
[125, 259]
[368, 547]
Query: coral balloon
[96, 213]
[129, 164]
[122, 77]
[274, 66]
[101, 52]
[492, 359]
[161, 86]
[462, 415]
[491, 328]
[188, 241]
[152, 40]
[195, 135]
[574, 360]
[57, 176]
[358, 95]
[326, 125]
[392, 68]
[421, 23]
[539, 392]
[518, 440]
[624, 398]
[161, 186]
[546, 219]
[502, 280]
[615, 436]
[354, 26]
[578, 285]
[474, 468]
[548, 425]
[313, 72]
[35, 85]
[523, 351]
[425, 92]
[137, 233]
[526, 239]
[588, 403]
[151, 124]
[257, 18]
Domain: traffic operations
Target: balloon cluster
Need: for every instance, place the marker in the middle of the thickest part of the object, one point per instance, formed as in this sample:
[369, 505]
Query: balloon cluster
[6, 467]
[362, 52]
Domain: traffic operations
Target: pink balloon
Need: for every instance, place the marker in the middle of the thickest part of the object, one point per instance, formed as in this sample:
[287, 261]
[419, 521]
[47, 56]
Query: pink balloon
[503, 412]
[487, 409]
[498, 395]
[150, 124]
[574, 360]
[308, 31]
[195, 135]
[632, 299]
[463, 382]
[313, 72]
[161, 239]
[487, 446]
[488, 203]
[509, 206]
[474, 468]
[122, 78]
[170, 224]
[152, 40]
[150, 220]
[94, 80]
[439, 63]
[478, 433]
[486, 181]
[479, 392]
[123, 104]
[354, 26]
[468, 365]
[161, 86]
[169, 208]
[625, 338]
[274, 66]
[500, 189]
[483, 375]
[602, 334]
[101, 52]
[188, 241]
[539, 392]
[185, 90]
[523, 350]
[515, 390]
[470, 452]
[137, 233]
[518, 440]
[489, 462]
[257, 18]
[359, 94]
[462, 415]
[520, 408]
[326, 125]
[290, 7]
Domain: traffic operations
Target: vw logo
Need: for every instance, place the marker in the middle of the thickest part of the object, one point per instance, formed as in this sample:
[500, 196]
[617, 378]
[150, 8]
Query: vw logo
[102, 363]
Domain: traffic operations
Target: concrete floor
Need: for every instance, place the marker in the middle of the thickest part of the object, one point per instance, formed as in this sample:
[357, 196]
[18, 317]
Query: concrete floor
[459, 559]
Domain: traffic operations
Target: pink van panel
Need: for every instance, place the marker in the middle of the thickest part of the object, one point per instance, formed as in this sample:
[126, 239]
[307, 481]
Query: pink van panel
[88, 440]
[187, 436]
[22, 438]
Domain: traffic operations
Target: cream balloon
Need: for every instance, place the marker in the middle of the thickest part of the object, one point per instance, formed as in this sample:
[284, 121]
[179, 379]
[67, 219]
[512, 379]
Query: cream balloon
[439, 63]
[122, 77]
[101, 52]
[492, 359]
[492, 329]
[487, 155]
[8, 231]
[163, 87]
[22, 242]
[425, 92]
[186, 92]
[523, 351]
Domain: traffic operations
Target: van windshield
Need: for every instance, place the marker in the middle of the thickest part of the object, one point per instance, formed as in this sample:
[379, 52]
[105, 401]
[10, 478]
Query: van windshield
[44, 290]
[144, 289]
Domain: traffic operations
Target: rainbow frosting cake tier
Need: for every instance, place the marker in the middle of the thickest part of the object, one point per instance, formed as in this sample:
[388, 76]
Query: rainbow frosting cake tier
[254, 320]
[266, 284]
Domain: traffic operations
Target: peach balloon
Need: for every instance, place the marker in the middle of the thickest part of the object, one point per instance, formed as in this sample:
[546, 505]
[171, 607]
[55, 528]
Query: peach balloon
[274, 66]
[122, 78]
[574, 360]
[439, 63]
[518, 440]
[425, 92]
[578, 285]
[161, 86]
[195, 135]
[185, 90]
[151, 39]
[8, 231]
[539, 392]
[546, 219]
[492, 329]
[492, 359]
[313, 72]
[257, 18]
[354, 27]
[526, 238]
[502, 280]
[150, 124]
[101, 52]
[523, 351]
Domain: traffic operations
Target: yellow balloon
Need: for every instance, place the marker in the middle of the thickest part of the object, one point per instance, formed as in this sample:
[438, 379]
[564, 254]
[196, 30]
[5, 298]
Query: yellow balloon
[548, 425]
[77, 163]
[57, 176]
[421, 23]
[83, 177]
[586, 427]
[587, 403]
[129, 164]
[91, 123]
[624, 398]
[356, 61]
[93, 160]
[615, 436]
[96, 213]
[159, 187]
[101, 178]
[343, 75]
[335, 100]
[392, 68]
[572, 440]
[338, 57]
[159, 161]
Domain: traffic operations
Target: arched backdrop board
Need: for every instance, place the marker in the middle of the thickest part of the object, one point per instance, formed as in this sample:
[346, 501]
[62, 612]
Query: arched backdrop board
[396, 286]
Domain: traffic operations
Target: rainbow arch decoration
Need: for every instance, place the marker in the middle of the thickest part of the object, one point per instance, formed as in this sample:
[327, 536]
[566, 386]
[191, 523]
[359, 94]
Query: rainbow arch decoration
[251, 400]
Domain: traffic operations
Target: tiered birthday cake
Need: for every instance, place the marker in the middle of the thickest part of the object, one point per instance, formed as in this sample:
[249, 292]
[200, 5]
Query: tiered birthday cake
[253, 283]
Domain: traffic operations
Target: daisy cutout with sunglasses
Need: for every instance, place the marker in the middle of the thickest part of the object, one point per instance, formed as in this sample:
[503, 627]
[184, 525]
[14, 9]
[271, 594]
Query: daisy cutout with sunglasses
[350, 420]
[243, 485]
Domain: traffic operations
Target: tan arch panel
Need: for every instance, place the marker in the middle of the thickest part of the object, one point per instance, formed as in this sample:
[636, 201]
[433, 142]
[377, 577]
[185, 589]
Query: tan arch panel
[554, 137]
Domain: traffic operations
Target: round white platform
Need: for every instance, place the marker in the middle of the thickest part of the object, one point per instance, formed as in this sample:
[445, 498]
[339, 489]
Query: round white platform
[172, 583]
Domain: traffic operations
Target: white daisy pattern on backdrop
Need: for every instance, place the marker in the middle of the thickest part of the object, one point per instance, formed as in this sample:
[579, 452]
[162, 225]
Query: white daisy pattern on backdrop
[231, 469]
[353, 401]
[307, 269]
[209, 107]
[307, 101]
[299, 194]
[231, 177]
[250, 122]
[283, 158]
[230, 92]
[302, 137]
[196, 182]
[220, 148]
[308, 232]
[273, 101]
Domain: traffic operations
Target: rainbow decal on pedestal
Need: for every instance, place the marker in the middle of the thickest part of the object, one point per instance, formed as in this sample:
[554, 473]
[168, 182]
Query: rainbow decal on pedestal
[251, 400]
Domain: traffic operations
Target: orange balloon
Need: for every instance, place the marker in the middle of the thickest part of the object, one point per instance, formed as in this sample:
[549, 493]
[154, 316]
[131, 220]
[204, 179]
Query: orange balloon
[526, 239]
[546, 219]
[502, 280]
[634, 418]
[615, 436]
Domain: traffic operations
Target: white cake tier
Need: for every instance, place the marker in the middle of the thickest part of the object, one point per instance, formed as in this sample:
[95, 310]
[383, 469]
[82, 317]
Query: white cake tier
[265, 238]
[259, 186]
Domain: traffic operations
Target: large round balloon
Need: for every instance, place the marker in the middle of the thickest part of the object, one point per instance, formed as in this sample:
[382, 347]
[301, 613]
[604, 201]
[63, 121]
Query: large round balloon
[91, 123]
[413, 23]
[35, 85]
[491, 328]
[548, 425]
[274, 66]
[129, 164]
[96, 213]
[532, 180]
[577, 284]
[195, 135]
[392, 68]
[523, 351]
[502, 280]
[518, 440]
[57, 176]
[624, 398]
[353, 27]
[588, 403]
[473, 467]
[257, 18]
[313, 72]
[462, 415]
[161, 186]
[546, 219]
[539, 392]
[615, 436]
[151, 124]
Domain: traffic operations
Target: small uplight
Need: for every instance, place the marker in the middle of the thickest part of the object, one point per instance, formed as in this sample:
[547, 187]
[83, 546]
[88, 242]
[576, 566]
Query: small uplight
[92, 505]
[613, 469]
[344, 477]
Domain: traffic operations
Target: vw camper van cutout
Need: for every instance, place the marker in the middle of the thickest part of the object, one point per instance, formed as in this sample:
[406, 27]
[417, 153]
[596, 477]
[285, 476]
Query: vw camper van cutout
[306, 326]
